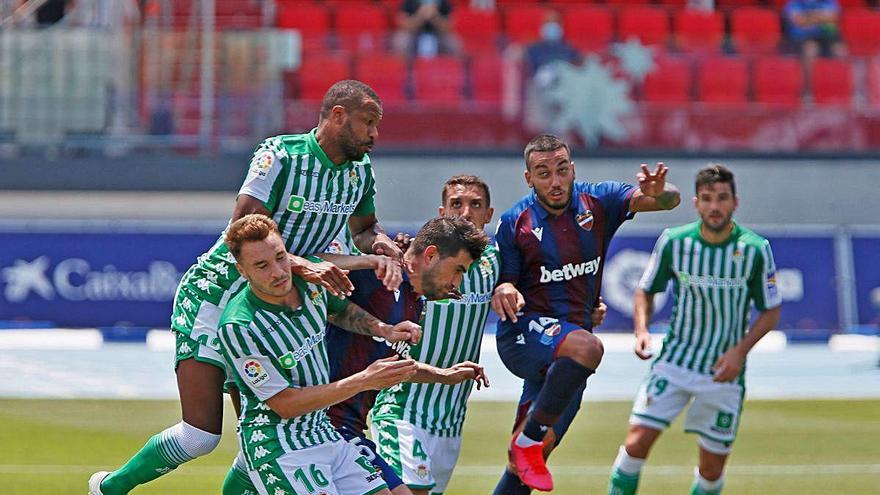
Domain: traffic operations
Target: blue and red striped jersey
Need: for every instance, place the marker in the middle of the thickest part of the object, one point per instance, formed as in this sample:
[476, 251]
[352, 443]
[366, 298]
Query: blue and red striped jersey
[556, 261]
[350, 353]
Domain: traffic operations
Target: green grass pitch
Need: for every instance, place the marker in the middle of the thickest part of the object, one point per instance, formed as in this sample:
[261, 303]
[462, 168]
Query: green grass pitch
[50, 447]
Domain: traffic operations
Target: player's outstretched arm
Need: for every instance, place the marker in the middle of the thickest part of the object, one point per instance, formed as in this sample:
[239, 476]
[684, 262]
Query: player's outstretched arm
[354, 319]
[383, 373]
[654, 193]
[643, 308]
[388, 270]
[323, 273]
[730, 364]
[370, 237]
[457, 373]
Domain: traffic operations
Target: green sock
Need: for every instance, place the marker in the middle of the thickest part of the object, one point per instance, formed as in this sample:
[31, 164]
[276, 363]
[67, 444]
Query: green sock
[237, 482]
[696, 489]
[152, 461]
[622, 483]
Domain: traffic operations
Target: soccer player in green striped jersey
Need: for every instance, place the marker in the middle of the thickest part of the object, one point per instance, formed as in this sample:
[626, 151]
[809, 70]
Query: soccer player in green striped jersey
[718, 270]
[272, 336]
[313, 185]
[417, 426]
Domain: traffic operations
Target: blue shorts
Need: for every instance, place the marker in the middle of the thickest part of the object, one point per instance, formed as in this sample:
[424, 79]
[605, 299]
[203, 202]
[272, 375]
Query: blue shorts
[368, 449]
[527, 349]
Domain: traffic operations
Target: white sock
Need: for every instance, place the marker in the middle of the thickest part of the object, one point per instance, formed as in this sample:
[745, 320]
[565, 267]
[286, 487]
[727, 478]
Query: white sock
[706, 485]
[523, 441]
[627, 464]
[193, 441]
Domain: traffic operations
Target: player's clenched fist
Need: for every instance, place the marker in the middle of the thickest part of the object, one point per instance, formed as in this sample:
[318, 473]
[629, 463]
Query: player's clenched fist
[507, 301]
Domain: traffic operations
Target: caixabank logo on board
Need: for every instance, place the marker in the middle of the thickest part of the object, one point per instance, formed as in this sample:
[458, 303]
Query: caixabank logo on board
[75, 279]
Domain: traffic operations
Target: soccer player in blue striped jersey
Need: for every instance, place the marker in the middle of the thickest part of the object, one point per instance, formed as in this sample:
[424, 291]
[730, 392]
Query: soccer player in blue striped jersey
[718, 269]
[435, 263]
[553, 244]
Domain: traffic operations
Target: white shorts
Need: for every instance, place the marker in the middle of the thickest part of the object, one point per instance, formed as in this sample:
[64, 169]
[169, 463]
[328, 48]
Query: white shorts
[335, 468]
[423, 460]
[713, 414]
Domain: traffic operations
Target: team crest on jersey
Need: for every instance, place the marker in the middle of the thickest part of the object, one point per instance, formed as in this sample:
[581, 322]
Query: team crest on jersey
[261, 164]
[314, 295]
[353, 177]
[585, 220]
[254, 372]
[485, 267]
[422, 471]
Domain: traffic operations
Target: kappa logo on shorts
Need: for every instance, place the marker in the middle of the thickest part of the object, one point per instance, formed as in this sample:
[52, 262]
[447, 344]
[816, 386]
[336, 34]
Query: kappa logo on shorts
[255, 372]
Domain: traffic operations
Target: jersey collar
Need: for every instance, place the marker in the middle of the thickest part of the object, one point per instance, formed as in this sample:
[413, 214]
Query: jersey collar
[316, 150]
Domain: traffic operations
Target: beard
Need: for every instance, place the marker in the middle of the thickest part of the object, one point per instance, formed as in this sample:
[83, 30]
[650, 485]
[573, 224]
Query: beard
[350, 147]
[717, 226]
[431, 288]
[554, 204]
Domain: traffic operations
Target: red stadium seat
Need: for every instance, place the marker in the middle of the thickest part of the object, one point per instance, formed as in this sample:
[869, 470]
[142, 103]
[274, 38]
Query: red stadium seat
[778, 81]
[699, 30]
[522, 23]
[861, 31]
[669, 82]
[722, 4]
[873, 89]
[363, 27]
[650, 25]
[723, 80]
[439, 80]
[311, 20]
[319, 71]
[831, 81]
[588, 27]
[477, 29]
[386, 74]
[486, 73]
[755, 30]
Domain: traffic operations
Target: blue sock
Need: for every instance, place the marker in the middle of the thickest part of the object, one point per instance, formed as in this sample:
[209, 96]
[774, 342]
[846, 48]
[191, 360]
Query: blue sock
[509, 484]
[564, 378]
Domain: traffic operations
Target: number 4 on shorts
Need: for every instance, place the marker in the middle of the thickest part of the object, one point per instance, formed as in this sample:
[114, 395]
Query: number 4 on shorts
[419, 451]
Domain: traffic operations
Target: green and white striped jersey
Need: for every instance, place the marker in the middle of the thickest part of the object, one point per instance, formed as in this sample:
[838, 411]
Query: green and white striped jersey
[271, 348]
[452, 333]
[713, 289]
[308, 196]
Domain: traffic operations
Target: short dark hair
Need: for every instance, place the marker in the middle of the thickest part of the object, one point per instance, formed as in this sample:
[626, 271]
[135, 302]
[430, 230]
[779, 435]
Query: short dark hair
[350, 94]
[249, 228]
[465, 180]
[451, 235]
[544, 142]
[714, 173]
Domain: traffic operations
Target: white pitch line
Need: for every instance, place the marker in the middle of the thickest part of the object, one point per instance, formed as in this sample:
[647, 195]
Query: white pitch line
[744, 470]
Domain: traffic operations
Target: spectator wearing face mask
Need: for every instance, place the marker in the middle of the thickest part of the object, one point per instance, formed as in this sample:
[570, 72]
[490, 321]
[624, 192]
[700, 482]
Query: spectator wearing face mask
[551, 46]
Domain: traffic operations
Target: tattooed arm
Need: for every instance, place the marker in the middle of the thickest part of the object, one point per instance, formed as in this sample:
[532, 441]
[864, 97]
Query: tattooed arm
[354, 319]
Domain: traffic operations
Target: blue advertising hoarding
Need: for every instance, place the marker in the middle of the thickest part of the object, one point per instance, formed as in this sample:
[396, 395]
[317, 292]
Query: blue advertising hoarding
[866, 266]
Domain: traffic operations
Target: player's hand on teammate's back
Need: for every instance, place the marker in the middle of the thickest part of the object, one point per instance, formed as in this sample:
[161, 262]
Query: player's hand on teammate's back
[405, 331]
[466, 370]
[385, 246]
[643, 345]
[728, 366]
[325, 274]
[652, 183]
[386, 372]
[389, 271]
[507, 301]
[597, 318]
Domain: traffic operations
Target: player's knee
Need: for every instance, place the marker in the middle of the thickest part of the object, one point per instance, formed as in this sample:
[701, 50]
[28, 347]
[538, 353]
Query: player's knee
[639, 441]
[711, 472]
[195, 442]
[583, 347]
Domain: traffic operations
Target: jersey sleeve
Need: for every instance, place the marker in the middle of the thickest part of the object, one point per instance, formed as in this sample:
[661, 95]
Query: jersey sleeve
[263, 177]
[367, 205]
[659, 269]
[505, 242]
[615, 198]
[254, 367]
[335, 305]
[762, 284]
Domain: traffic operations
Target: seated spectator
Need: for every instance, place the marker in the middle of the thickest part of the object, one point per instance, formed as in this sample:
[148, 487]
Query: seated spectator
[813, 27]
[424, 29]
[551, 47]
